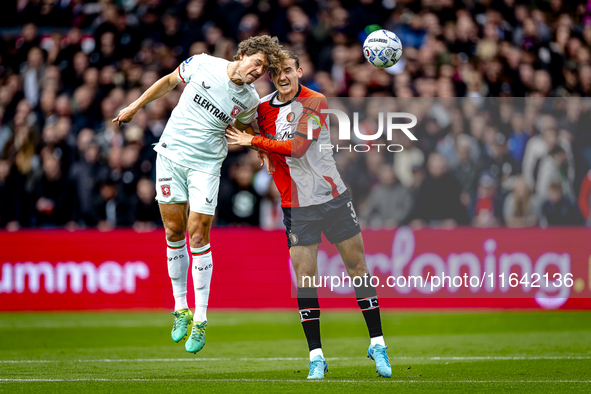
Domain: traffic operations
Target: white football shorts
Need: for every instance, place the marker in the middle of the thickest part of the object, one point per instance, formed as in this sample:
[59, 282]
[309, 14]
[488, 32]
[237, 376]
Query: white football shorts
[176, 184]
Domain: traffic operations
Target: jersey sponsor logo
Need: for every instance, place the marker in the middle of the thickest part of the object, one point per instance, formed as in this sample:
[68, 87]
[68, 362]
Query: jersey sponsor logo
[208, 201]
[314, 121]
[290, 117]
[281, 136]
[209, 106]
[235, 101]
[203, 84]
[235, 111]
[164, 179]
[163, 145]
[165, 190]
[188, 60]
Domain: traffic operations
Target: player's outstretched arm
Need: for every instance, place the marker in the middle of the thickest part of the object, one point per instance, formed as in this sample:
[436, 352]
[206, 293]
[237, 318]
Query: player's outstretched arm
[294, 148]
[159, 89]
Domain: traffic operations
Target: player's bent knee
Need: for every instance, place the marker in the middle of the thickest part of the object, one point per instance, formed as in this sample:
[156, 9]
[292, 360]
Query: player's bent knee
[356, 266]
[175, 233]
[199, 239]
[303, 272]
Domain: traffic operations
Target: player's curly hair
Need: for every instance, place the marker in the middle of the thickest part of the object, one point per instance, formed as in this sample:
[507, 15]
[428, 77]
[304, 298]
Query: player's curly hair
[267, 45]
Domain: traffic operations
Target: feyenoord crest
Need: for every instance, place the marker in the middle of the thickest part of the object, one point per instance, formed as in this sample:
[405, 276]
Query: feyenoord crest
[290, 117]
[165, 190]
[293, 238]
[235, 111]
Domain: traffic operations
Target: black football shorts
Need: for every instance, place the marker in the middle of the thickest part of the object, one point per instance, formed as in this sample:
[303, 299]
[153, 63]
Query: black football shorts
[336, 219]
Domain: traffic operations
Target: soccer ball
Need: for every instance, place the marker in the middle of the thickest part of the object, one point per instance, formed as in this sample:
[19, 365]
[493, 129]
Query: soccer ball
[382, 48]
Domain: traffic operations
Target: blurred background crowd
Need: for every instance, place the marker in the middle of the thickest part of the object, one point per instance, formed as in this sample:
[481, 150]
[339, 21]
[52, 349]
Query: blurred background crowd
[68, 66]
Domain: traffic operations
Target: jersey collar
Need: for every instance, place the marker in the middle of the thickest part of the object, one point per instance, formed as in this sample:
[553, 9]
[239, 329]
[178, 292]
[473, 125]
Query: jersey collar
[287, 102]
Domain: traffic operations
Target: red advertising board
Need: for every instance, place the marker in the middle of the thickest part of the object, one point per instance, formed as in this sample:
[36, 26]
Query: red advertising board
[123, 269]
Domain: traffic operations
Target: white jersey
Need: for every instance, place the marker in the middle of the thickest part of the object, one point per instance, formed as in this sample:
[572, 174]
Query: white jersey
[194, 135]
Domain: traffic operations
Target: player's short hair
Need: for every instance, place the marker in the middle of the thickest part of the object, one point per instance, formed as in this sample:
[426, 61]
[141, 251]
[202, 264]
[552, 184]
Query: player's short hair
[267, 45]
[291, 55]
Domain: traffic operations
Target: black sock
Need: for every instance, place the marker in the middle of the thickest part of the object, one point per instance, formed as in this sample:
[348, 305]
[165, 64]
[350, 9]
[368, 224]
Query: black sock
[367, 299]
[310, 315]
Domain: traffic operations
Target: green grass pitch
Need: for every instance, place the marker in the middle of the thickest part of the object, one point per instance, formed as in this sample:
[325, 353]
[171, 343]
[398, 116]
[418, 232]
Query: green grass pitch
[258, 351]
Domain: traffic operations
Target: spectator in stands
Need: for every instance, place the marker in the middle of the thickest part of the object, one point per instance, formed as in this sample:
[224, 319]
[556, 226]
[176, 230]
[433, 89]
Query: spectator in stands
[582, 146]
[521, 207]
[107, 206]
[86, 174]
[407, 161]
[389, 203]
[585, 198]
[558, 210]
[53, 195]
[83, 115]
[437, 201]
[465, 171]
[554, 168]
[486, 211]
[495, 160]
[540, 146]
[447, 146]
[239, 203]
[517, 139]
[145, 214]
[9, 196]
[32, 73]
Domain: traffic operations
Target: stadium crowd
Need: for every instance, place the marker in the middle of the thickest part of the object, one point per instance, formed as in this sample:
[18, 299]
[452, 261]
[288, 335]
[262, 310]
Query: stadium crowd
[68, 66]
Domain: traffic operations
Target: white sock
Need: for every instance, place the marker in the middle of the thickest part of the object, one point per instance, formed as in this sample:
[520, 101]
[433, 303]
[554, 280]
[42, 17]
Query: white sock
[202, 268]
[316, 352]
[377, 341]
[178, 268]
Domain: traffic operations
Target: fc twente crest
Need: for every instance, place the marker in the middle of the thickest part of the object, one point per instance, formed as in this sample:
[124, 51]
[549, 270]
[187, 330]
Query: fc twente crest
[235, 111]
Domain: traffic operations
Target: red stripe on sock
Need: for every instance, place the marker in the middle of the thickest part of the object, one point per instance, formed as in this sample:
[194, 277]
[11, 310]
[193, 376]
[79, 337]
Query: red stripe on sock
[201, 253]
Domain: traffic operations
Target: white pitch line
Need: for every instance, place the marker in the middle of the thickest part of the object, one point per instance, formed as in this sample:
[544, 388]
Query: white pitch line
[133, 360]
[475, 358]
[140, 360]
[383, 381]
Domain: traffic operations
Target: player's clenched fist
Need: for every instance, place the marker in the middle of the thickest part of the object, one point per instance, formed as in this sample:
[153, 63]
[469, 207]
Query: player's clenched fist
[125, 115]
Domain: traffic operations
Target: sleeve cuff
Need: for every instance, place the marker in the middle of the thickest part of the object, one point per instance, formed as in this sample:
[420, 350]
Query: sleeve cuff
[255, 141]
